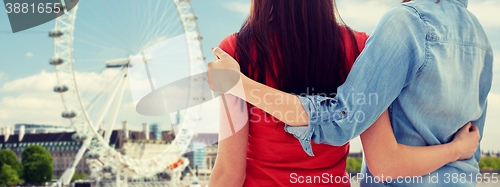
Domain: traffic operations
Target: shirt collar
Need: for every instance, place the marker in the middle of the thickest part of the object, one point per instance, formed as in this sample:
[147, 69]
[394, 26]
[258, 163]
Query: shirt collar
[465, 2]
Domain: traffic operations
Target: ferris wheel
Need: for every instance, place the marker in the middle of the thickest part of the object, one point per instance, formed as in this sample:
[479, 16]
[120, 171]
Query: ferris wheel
[133, 38]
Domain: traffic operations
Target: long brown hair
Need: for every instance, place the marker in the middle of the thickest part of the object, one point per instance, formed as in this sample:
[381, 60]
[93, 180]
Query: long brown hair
[304, 39]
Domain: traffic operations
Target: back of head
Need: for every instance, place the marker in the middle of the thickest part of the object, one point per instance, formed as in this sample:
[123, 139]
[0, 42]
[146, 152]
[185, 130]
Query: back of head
[298, 42]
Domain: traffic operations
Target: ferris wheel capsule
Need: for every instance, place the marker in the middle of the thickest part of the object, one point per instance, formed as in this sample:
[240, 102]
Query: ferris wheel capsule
[198, 37]
[93, 155]
[56, 61]
[60, 89]
[79, 137]
[69, 115]
[55, 33]
[191, 18]
[108, 169]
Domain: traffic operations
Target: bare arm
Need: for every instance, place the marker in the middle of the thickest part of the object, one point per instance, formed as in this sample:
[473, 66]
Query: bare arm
[385, 157]
[230, 165]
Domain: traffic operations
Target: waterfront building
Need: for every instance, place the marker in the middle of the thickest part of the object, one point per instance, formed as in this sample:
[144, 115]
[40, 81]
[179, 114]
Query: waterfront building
[356, 155]
[204, 152]
[490, 154]
[144, 144]
[40, 128]
[61, 147]
[155, 130]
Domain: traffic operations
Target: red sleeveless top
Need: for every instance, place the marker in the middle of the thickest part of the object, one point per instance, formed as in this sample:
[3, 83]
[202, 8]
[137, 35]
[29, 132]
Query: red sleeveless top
[276, 158]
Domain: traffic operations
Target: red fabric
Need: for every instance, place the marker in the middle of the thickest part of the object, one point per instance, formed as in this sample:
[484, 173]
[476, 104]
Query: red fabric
[273, 155]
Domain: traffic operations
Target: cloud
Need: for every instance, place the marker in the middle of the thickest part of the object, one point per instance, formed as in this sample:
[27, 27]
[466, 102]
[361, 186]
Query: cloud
[29, 102]
[38, 82]
[494, 100]
[29, 106]
[491, 129]
[32, 99]
[241, 7]
[363, 15]
[29, 54]
[487, 12]
[1, 75]
[88, 81]
[495, 88]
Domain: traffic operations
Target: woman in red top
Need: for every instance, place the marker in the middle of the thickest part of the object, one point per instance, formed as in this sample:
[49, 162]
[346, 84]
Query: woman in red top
[296, 46]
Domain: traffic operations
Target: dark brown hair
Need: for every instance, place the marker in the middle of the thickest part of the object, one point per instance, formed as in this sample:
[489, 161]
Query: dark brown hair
[304, 40]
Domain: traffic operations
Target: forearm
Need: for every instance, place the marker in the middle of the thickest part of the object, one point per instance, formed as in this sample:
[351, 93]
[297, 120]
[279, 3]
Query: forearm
[418, 161]
[384, 156]
[223, 176]
[411, 161]
[230, 165]
[283, 106]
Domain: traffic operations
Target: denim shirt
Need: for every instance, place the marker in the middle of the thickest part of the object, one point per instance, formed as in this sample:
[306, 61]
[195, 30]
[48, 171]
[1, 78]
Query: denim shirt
[429, 64]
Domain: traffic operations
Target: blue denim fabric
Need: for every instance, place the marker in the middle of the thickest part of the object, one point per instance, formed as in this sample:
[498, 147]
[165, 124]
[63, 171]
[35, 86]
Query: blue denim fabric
[430, 64]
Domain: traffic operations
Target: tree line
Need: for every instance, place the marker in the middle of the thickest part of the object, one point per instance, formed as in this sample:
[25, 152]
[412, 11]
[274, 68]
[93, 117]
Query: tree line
[489, 163]
[34, 168]
[353, 164]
